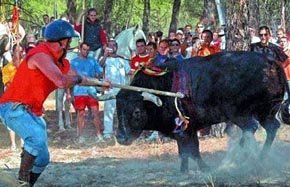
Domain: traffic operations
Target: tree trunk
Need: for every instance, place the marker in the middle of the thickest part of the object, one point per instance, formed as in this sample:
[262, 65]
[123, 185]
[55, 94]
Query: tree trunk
[283, 22]
[209, 14]
[237, 18]
[108, 8]
[287, 15]
[221, 12]
[175, 14]
[254, 18]
[146, 16]
[71, 10]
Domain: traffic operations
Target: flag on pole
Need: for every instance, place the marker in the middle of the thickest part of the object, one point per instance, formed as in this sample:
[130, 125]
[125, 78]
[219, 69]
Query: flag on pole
[15, 18]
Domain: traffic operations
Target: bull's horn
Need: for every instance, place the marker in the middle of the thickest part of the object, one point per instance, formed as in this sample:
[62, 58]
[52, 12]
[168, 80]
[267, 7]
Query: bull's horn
[153, 98]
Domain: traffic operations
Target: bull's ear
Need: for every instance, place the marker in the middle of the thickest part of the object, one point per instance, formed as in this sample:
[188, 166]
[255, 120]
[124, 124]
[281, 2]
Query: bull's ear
[137, 27]
[171, 64]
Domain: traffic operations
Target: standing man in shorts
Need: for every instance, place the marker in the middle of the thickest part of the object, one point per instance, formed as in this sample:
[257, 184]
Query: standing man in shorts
[88, 67]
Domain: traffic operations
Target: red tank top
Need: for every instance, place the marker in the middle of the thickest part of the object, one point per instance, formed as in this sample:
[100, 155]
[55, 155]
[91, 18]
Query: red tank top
[30, 86]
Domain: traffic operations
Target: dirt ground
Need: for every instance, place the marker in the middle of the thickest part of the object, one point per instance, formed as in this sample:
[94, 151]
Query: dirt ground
[150, 164]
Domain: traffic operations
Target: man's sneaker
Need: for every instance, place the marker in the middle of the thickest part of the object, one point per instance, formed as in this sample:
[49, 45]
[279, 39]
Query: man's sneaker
[110, 139]
[61, 129]
[81, 140]
[99, 139]
[69, 126]
[23, 183]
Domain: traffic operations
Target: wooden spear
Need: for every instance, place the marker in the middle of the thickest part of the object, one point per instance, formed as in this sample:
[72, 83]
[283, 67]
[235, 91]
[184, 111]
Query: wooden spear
[96, 82]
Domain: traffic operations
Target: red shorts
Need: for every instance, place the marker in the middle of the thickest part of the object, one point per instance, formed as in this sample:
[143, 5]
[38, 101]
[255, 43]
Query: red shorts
[81, 102]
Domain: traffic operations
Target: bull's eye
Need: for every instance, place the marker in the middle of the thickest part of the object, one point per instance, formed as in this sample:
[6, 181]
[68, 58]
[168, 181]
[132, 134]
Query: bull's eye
[137, 113]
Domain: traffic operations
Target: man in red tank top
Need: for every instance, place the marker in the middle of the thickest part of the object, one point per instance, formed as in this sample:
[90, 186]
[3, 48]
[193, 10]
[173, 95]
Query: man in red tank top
[42, 71]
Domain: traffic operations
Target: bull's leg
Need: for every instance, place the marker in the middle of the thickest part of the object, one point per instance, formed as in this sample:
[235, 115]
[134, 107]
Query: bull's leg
[213, 130]
[188, 146]
[196, 153]
[183, 156]
[218, 130]
[249, 129]
[59, 108]
[271, 126]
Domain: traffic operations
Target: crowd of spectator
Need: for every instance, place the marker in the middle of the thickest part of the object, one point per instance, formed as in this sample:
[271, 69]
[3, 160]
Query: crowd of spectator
[97, 57]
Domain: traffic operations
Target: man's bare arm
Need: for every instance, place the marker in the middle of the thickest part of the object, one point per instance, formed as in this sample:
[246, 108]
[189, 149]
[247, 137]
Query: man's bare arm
[45, 64]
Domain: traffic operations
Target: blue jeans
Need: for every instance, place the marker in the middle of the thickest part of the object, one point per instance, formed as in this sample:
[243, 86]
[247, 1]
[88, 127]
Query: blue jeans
[109, 110]
[29, 127]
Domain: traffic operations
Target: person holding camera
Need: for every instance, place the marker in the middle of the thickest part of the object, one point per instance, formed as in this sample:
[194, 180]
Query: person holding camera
[116, 70]
[204, 46]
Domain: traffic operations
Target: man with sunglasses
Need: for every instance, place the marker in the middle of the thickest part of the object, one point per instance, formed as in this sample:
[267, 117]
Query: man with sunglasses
[42, 71]
[174, 50]
[266, 47]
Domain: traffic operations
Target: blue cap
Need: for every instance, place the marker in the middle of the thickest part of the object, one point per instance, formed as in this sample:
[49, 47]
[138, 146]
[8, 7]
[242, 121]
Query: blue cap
[58, 30]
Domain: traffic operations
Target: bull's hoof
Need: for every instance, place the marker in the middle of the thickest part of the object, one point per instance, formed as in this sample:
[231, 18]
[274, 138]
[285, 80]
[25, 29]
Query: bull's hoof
[184, 165]
[184, 170]
[203, 166]
[205, 169]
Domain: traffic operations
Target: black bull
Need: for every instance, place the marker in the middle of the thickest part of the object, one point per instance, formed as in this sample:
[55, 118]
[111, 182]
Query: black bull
[239, 87]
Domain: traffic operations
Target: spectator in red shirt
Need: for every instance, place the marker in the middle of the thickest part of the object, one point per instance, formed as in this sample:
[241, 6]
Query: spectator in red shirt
[141, 57]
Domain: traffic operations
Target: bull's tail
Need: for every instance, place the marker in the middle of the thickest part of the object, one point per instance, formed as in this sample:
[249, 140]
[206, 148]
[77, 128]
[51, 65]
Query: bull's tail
[284, 112]
[284, 109]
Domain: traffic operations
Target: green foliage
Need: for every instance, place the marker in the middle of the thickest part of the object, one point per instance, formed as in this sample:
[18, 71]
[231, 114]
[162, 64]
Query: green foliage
[32, 11]
[160, 15]
[127, 13]
[191, 12]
